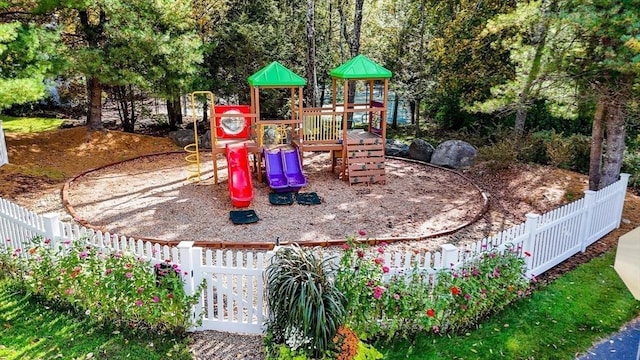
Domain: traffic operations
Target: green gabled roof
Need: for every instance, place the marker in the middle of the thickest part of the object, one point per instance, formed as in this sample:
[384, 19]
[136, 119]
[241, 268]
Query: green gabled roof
[360, 67]
[276, 74]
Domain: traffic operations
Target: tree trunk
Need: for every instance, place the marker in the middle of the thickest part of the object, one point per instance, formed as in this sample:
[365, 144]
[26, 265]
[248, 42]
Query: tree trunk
[125, 98]
[205, 111]
[94, 100]
[353, 41]
[93, 33]
[412, 109]
[394, 119]
[597, 139]
[536, 65]
[417, 117]
[311, 90]
[174, 112]
[614, 153]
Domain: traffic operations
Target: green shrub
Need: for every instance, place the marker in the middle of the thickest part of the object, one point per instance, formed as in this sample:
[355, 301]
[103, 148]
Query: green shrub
[306, 308]
[118, 290]
[580, 146]
[532, 149]
[558, 150]
[501, 154]
[631, 165]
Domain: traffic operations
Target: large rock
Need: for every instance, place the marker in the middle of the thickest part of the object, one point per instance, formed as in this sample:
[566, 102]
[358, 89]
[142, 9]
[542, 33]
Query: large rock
[395, 147]
[205, 140]
[420, 150]
[182, 138]
[454, 154]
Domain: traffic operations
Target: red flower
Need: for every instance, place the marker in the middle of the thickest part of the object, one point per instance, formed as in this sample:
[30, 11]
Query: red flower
[379, 261]
[431, 313]
[360, 253]
[455, 290]
[385, 269]
[345, 247]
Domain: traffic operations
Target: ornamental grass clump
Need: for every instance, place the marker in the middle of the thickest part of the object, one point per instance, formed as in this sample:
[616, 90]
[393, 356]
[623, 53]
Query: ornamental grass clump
[384, 302]
[305, 307]
[117, 290]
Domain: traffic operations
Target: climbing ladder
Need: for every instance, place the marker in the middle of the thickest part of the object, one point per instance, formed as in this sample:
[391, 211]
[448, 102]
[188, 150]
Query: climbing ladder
[365, 161]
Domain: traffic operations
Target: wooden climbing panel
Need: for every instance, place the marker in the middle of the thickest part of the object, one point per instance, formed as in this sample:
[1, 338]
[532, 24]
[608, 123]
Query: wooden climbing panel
[365, 160]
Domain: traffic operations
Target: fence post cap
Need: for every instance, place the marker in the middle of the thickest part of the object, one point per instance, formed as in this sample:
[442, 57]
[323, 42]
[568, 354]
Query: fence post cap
[532, 215]
[50, 216]
[185, 244]
[448, 247]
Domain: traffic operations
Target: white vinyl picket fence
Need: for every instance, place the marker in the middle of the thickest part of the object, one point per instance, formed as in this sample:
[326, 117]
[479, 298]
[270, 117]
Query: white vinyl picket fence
[4, 157]
[233, 292]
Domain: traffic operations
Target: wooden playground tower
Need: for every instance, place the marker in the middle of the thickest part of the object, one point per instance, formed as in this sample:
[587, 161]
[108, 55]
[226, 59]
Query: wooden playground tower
[359, 152]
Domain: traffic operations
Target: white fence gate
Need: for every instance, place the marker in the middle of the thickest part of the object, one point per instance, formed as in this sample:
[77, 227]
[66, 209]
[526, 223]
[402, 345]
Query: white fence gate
[4, 157]
[233, 293]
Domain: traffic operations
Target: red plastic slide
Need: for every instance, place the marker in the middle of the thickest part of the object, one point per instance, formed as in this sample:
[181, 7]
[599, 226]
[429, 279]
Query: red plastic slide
[240, 182]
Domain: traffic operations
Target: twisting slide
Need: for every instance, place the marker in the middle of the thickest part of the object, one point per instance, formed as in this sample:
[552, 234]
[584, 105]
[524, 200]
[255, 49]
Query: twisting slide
[240, 182]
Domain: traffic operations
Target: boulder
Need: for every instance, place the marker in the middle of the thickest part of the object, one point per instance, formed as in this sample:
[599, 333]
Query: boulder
[454, 154]
[420, 150]
[395, 147]
[205, 140]
[182, 138]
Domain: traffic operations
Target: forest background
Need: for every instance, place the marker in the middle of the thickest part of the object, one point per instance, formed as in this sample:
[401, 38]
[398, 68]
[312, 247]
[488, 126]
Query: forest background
[515, 76]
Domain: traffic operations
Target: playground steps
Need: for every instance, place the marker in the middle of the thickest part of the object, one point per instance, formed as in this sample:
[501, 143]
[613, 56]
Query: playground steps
[365, 161]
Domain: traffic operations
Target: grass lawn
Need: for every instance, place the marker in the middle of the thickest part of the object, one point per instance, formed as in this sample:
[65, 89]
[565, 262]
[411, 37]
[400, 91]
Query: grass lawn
[556, 322]
[12, 124]
[30, 330]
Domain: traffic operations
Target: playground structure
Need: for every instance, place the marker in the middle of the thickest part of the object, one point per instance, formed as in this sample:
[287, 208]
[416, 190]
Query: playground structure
[240, 130]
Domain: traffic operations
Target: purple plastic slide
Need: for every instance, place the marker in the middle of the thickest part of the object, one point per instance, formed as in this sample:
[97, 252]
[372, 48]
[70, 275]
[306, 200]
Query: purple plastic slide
[293, 169]
[274, 170]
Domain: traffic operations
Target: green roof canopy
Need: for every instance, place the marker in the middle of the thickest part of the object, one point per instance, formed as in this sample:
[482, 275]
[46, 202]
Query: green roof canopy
[360, 67]
[277, 75]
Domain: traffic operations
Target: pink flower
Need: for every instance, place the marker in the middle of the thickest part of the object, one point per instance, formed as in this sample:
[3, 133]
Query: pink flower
[67, 242]
[385, 269]
[108, 271]
[360, 253]
[140, 290]
[139, 302]
[377, 292]
[345, 247]
[156, 299]
[379, 261]
[68, 291]
[467, 296]
[46, 242]
[129, 275]
[83, 255]
[361, 232]
[396, 296]
[381, 249]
